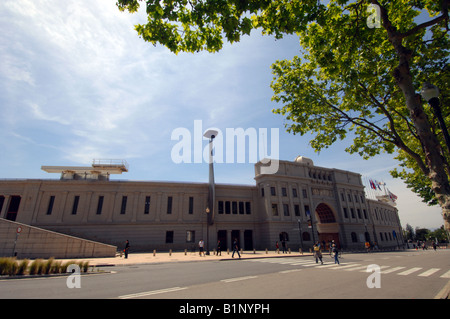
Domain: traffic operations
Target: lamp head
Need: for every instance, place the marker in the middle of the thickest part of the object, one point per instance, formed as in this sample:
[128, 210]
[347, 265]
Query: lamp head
[210, 134]
[429, 91]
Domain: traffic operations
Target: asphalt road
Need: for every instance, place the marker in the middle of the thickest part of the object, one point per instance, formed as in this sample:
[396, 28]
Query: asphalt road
[409, 275]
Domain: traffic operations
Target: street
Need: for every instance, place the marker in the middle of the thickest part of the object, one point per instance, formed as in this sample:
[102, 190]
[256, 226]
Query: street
[402, 275]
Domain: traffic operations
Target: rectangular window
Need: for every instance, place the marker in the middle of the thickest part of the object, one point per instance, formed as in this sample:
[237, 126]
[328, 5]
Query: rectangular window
[191, 205]
[248, 208]
[76, 200]
[294, 192]
[307, 212]
[169, 205]
[286, 209]
[169, 237]
[274, 209]
[234, 207]
[147, 205]
[241, 208]
[50, 205]
[284, 191]
[100, 205]
[297, 210]
[262, 192]
[190, 236]
[272, 191]
[305, 193]
[227, 208]
[345, 213]
[352, 211]
[221, 209]
[123, 208]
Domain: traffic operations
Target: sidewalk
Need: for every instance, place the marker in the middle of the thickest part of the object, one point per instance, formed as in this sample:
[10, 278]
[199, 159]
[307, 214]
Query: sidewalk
[163, 257]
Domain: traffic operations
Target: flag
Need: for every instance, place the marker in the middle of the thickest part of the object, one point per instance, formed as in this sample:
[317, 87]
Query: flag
[372, 184]
[392, 196]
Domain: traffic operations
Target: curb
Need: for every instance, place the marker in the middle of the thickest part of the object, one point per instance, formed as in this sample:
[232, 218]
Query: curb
[444, 293]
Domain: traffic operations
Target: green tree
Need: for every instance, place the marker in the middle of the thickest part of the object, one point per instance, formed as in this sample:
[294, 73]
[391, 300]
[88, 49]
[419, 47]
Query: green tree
[358, 74]
[409, 233]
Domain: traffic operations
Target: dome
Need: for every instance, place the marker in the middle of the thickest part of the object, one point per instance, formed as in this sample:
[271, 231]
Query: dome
[304, 160]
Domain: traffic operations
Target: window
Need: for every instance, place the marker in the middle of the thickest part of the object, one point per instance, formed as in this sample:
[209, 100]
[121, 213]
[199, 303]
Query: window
[147, 205]
[241, 208]
[248, 208]
[76, 200]
[234, 207]
[294, 192]
[272, 191]
[227, 207]
[190, 236]
[169, 205]
[307, 212]
[286, 209]
[220, 207]
[354, 238]
[274, 209]
[352, 212]
[297, 210]
[342, 197]
[305, 194]
[365, 214]
[50, 205]
[359, 213]
[100, 205]
[191, 205]
[169, 237]
[123, 208]
[284, 191]
[345, 212]
[349, 197]
[262, 192]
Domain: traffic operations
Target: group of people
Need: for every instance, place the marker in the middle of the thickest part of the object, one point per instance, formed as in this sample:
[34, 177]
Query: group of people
[318, 252]
[201, 246]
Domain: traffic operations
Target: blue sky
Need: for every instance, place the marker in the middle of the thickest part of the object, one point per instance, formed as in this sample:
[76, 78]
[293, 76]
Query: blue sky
[77, 83]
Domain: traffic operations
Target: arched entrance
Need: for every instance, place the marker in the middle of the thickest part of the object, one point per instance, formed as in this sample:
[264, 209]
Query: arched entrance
[327, 227]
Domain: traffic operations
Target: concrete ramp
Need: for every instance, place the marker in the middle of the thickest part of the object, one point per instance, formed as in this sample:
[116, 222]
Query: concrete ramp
[25, 241]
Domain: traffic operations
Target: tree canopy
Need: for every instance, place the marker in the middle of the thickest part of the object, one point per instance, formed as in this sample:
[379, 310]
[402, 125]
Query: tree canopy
[360, 69]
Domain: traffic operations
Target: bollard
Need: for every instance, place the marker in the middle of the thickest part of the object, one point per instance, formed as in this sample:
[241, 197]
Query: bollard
[278, 251]
[154, 252]
[228, 251]
[170, 252]
[266, 251]
[289, 250]
[254, 251]
[300, 251]
[185, 252]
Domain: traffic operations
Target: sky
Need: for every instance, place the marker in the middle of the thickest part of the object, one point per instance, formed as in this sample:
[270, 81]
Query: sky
[77, 84]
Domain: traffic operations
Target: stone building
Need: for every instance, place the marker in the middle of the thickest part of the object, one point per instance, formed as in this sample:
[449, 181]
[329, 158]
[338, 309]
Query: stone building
[301, 203]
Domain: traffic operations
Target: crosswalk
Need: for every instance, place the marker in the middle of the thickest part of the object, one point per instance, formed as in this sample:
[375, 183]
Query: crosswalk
[354, 266]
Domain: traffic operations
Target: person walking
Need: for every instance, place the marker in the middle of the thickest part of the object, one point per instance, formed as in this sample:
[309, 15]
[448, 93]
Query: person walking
[201, 245]
[219, 251]
[127, 248]
[283, 245]
[335, 250]
[235, 248]
[318, 253]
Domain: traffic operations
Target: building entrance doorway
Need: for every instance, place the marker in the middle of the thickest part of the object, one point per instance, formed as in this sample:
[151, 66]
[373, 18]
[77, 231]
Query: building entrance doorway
[327, 227]
[222, 236]
[248, 239]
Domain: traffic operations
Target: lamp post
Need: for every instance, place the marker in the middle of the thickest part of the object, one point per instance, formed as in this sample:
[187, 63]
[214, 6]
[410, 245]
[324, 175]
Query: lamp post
[210, 134]
[430, 93]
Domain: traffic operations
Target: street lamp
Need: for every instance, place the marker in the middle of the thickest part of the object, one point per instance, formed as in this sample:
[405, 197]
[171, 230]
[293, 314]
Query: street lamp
[430, 93]
[210, 134]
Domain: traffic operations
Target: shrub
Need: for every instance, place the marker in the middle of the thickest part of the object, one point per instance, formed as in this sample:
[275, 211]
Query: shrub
[23, 266]
[47, 266]
[36, 267]
[8, 266]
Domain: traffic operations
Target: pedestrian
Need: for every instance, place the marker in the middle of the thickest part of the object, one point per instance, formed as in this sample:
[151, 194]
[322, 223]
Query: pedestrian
[201, 244]
[318, 253]
[127, 248]
[235, 248]
[283, 245]
[434, 246]
[219, 251]
[277, 247]
[336, 253]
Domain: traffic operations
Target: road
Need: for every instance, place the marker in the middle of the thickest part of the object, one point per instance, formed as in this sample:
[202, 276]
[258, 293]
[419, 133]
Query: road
[404, 275]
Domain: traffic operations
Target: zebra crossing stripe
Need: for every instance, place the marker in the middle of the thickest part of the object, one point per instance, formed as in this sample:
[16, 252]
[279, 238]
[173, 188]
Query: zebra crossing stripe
[429, 272]
[409, 271]
[446, 275]
[388, 271]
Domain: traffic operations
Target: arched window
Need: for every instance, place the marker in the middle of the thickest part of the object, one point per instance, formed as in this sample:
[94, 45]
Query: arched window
[306, 236]
[354, 238]
[326, 215]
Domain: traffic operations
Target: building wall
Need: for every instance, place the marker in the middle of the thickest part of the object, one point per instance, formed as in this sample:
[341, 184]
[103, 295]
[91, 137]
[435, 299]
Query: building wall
[170, 215]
